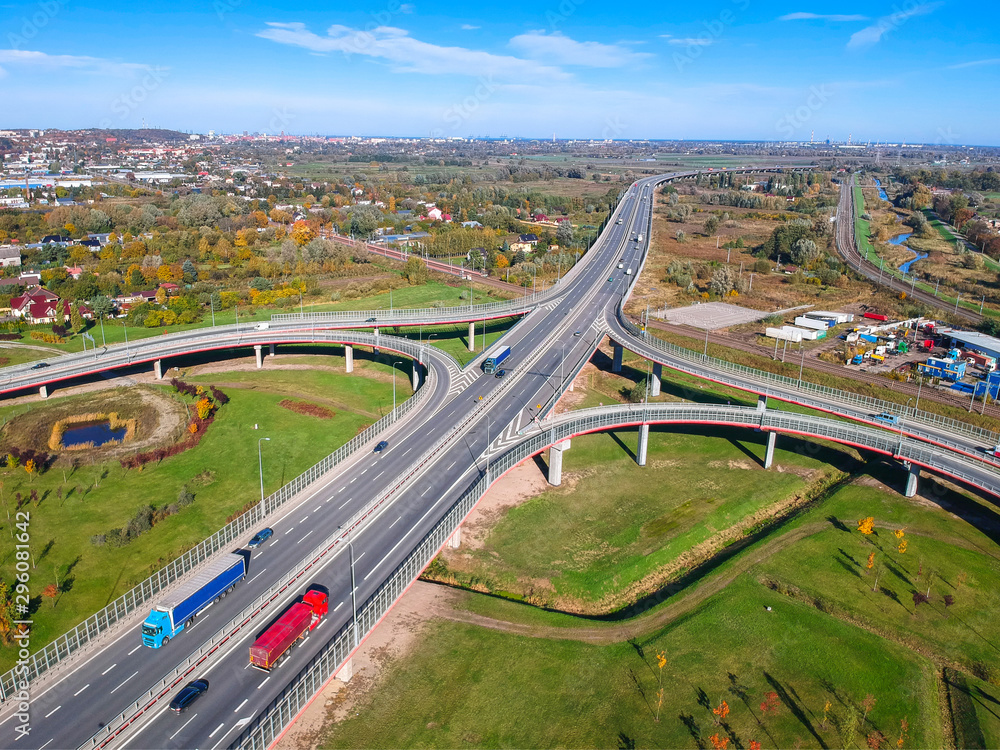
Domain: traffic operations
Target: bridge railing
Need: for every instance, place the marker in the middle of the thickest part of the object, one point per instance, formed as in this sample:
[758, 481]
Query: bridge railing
[139, 596]
[513, 307]
[873, 405]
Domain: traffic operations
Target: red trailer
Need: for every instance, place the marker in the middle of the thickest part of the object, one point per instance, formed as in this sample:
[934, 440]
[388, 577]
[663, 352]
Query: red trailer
[875, 316]
[302, 616]
[928, 344]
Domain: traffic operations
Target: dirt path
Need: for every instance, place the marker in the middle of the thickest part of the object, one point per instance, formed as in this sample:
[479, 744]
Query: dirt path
[17, 345]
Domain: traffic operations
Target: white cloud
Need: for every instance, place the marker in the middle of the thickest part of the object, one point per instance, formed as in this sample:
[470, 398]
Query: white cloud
[975, 63]
[406, 54]
[43, 61]
[820, 17]
[697, 41]
[469, 27]
[873, 34]
[407, 8]
[560, 49]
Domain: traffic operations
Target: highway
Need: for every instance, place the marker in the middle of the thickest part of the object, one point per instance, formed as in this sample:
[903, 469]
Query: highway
[559, 333]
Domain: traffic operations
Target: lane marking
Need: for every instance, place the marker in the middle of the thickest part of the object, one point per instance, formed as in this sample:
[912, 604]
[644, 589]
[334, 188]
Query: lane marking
[364, 472]
[126, 680]
[345, 503]
[53, 711]
[354, 480]
[109, 669]
[81, 690]
[379, 474]
[182, 726]
[216, 730]
[241, 705]
[303, 538]
[255, 577]
[265, 680]
[425, 492]
[359, 557]
[46, 744]
[338, 606]
[395, 522]
[452, 464]
[135, 649]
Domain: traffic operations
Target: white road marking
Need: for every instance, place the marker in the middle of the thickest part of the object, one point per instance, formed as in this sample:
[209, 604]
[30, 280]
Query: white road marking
[255, 577]
[452, 464]
[46, 744]
[425, 492]
[365, 471]
[241, 705]
[345, 503]
[303, 538]
[408, 450]
[81, 690]
[305, 517]
[53, 711]
[135, 649]
[354, 480]
[290, 530]
[359, 557]
[338, 606]
[182, 726]
[379, 474]
[127, 679]
[320, 506]
[222, 739]
[109, 669]
[215, 731]
[265, 680]
[395, 522]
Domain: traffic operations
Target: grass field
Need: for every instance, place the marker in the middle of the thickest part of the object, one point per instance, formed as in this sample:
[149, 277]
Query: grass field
[221, 471]
[474, 687]
[609, 536]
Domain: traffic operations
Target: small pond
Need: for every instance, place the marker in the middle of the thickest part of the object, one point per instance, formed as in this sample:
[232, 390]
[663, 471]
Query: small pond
[97, 433]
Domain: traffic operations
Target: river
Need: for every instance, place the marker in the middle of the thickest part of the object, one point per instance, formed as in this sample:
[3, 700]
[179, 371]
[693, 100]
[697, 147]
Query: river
[881, 192]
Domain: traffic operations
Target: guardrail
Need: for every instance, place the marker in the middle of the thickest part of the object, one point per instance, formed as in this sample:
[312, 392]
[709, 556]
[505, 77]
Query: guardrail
[260, 733]
[868, 403]
[515, 306]
[70, 642]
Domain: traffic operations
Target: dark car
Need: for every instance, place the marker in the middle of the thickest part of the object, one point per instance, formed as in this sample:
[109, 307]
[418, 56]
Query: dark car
[500, 373]
[370, 320]
[40, 365]
[188, 695]
[260, 537]
[611, 278]
[576, 333]
[383, 444]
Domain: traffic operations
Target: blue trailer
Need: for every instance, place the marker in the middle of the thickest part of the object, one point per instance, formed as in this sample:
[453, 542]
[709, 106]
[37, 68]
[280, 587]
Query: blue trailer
[494, 358]
[207, 586]
[869, 338]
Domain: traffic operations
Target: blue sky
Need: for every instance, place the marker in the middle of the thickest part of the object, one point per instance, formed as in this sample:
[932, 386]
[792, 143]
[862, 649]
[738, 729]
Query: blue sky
[727, 69]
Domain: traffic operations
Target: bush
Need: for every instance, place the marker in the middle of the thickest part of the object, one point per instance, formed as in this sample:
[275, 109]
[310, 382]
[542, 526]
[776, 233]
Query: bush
[185, 497]
[98, 540]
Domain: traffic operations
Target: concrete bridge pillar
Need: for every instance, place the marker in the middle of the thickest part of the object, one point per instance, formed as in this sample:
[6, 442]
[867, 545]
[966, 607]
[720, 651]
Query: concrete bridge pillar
[911, 479]
[654, 384]
[616, 362]
[416, 375]
[272, 350]
[555, 462]
[259, 351]
[761, 402]
[472, 336]
[349, 357]
[640, 456]
[346, 672]
[158, 369]
[772, 437]
[43, 391]
[455, 540]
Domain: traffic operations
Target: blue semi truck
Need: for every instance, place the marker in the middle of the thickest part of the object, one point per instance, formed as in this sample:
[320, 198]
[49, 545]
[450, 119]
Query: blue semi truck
[207, 586]
[494, 359]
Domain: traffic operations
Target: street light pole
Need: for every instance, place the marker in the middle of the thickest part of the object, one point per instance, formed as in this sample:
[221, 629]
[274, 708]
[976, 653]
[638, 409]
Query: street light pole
[260, 466]
[354, 599]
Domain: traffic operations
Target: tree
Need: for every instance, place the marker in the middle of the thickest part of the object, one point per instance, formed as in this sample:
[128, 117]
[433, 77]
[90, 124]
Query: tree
[866, 525]
[711, 225]
[415, 271]
[51, 591]
[771, 703]
[723, 281]
[29, 467]
[302, 233]
[680, 235]
[564, 233]
[868, 704]
[804, 252]
[76, 318]
[365, 220]
[204, 407]
[721, 712]
[161, 295]
[102, 306]
[190, 271]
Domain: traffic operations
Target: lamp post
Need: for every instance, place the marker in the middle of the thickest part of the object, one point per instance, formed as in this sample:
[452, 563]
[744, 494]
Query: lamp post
[920, 383]
[354, 600]
[802, 361]
[260, 467]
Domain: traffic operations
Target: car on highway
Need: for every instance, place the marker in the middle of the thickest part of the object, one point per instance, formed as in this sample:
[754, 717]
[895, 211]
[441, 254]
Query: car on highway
[886, 418]
[370, 320]
[260, 537]
[500, 373]
[188, 695]
[577, 333]
[610, 279]
[382, 445]
[40, 365]
[621, 265]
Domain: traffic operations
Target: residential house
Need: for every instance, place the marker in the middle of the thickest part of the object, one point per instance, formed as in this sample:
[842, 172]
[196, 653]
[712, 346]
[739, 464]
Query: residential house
[74, 272]
[530, 239]
[434, 214]
[477, 256]
[10, 255]
[55, 239]
[38, 305]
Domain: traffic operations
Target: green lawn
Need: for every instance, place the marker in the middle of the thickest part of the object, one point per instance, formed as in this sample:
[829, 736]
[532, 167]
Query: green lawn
[17, 355]
[462, 686]
[96, 498]
[602, 542]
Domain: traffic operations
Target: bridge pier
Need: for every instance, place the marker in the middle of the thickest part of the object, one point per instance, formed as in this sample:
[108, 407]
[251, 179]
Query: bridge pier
[472, 336]
[555, 462]
[616, 362]
[158, 369]
[346, 672]
[455, 540]
[913, 473]
[772, 437]
[654, 383]
[640, 455]
[43, 391]
[272, 350]
[416, 375]
[762, 402]
[259, 351]
[349, 357]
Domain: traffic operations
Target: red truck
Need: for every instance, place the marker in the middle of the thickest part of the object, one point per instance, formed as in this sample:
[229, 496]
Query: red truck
[875, 316]
[266, 651]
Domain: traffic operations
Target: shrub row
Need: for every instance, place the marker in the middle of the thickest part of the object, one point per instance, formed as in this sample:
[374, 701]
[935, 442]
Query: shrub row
[144, 519]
